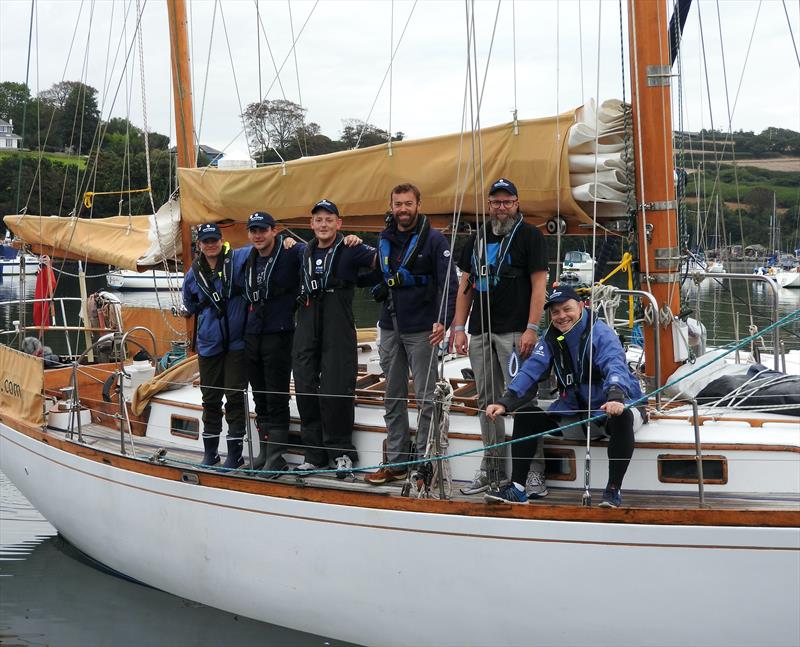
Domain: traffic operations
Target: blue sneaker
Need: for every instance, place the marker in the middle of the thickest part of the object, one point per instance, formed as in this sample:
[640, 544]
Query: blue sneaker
[509, 493]
[612, 498]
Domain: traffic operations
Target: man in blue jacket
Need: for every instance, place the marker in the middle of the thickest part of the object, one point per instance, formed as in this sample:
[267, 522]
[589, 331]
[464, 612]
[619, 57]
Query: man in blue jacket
[418, 291]
[213, 291]
[593, 376]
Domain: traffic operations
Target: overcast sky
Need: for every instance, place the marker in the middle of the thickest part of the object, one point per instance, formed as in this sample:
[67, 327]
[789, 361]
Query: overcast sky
[343, 54]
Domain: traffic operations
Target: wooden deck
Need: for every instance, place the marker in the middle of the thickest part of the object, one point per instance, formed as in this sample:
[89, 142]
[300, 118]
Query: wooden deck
[105, 439]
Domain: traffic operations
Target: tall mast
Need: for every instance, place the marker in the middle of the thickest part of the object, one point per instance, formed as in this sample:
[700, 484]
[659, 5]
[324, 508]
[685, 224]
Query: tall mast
[182, 96]
[656, 207]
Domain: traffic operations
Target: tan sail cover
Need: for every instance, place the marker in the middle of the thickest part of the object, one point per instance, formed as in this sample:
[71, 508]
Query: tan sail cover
[359, 181]
[184, 372]
[21, 386]
[132, 243]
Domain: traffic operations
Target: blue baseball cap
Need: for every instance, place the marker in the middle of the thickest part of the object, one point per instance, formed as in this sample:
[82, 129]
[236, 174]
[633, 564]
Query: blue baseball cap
[208, 230]
[503, 185]
[260, 220]
[327, 205]
[560, 294]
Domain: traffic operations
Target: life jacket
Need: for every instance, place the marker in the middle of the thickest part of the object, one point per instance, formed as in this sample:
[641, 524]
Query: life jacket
[313, 285]
[403, 276]
[569, 376]
[206, 279]
[489, 260]
[258, 294]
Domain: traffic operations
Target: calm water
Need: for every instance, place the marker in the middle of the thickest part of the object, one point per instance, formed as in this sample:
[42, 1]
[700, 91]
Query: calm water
[50, 596]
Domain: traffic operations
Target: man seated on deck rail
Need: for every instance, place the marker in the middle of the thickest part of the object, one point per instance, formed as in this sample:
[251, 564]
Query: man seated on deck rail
[605, 381]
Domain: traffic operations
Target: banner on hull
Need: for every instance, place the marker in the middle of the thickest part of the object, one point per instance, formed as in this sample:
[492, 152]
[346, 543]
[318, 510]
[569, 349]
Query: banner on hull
[21, 386]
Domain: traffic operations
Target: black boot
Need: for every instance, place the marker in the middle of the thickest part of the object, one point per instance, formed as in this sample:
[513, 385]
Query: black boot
[210, 455]
[260, 460]
[234, 459]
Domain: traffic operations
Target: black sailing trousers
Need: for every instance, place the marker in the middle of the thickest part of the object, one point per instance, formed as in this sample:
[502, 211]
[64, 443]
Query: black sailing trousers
[325, 367]
[269, 368]
[536, 421]
[221, 375]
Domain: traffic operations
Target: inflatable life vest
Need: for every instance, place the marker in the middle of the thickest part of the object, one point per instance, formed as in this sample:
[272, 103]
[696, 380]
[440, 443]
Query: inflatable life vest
[569, 376]
[314, 284]
[258, 294]
[403, 276]
[206, 279]
[489, 260]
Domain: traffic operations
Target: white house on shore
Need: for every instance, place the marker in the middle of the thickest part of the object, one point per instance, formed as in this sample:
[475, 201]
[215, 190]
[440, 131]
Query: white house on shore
[7, 137]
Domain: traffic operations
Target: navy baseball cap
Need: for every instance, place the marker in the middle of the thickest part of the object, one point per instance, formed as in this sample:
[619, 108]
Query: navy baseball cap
[260, 220]
[327, 205]
[208, 230]
[503, 185]
[560, 294]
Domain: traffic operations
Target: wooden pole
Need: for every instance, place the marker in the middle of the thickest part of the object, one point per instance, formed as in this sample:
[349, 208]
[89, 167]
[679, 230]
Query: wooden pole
[657, 214]
[184, 116]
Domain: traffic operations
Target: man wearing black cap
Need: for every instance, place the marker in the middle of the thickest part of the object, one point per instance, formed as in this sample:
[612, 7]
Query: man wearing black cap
[593, 378]
[325, 351]
[212, 290]
[502, 291]
[418, 291]
[272, 283]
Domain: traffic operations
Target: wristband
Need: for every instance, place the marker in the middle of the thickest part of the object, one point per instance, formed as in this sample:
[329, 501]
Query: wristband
[534, 328]
[459, 328]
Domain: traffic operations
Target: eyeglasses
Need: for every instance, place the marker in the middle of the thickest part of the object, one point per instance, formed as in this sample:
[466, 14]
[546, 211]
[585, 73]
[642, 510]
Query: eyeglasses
[502, 203]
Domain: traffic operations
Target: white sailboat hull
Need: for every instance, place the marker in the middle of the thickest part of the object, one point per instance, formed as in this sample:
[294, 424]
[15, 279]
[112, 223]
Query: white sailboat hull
[390, 577]
[152, 280]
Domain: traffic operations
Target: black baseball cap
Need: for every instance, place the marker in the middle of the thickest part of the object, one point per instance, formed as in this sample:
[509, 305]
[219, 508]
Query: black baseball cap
[503, 185]
[260, 220]
[560, 294]
[208, 230]
[327, 205]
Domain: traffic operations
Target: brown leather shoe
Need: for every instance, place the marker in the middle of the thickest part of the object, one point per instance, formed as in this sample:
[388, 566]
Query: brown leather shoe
[386, 475]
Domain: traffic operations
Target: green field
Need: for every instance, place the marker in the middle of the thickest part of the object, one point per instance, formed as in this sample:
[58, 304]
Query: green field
[57, 158]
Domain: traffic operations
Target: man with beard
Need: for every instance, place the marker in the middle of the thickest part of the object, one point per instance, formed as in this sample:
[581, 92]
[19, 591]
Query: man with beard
[502, 291]
[418, 295]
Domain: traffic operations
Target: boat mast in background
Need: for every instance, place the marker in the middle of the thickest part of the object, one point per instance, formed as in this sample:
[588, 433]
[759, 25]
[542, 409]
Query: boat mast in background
[182, 95]
[656, 206]
[184, 115]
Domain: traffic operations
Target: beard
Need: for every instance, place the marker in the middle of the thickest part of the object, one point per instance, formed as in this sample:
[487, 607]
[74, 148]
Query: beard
[502, 228]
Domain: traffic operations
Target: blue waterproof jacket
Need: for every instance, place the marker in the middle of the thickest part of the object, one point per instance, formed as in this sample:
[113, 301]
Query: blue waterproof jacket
[211, 328]
[611, 377]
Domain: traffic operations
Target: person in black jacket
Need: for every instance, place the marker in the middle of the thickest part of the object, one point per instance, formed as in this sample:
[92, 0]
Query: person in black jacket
[418, 290]
[325, 352]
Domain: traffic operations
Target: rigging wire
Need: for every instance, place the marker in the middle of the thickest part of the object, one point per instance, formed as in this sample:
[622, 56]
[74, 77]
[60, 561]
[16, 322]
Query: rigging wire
[233, 74]
[297, 77]
[208, 69]
[388, 69]
[791, 33]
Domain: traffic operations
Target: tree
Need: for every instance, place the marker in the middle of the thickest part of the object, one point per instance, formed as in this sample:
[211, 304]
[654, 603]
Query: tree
[13, 98]
[276, 125]
[357, 133]
[75, 124]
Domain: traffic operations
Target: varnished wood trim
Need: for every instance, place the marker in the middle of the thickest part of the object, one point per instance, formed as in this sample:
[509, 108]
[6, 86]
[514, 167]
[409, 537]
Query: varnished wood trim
[376, 500]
